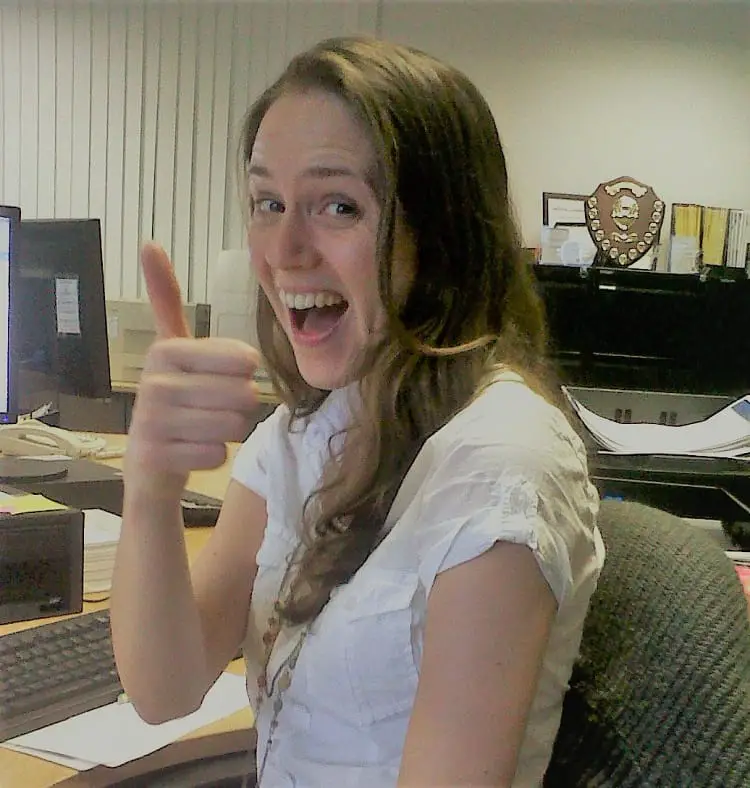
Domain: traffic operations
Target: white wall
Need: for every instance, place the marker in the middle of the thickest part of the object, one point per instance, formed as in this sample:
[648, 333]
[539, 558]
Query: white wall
[585, 92]
[129, 110]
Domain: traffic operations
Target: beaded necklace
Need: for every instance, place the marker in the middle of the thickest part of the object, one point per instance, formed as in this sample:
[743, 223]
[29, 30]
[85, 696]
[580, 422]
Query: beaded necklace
[273, 629]
[286, 671]
[331, 413]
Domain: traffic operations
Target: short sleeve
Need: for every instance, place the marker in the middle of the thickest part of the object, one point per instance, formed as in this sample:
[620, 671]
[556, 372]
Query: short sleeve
[251, 463]
[544, 502]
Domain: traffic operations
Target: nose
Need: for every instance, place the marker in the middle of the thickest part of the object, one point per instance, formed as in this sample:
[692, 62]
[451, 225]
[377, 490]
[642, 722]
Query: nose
[289, 244]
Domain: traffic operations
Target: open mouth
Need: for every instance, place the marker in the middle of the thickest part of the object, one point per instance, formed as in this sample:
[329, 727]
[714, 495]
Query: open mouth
[314, 314]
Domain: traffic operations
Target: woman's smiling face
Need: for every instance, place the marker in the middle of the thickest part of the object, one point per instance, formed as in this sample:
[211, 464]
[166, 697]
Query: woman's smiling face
[313, 231]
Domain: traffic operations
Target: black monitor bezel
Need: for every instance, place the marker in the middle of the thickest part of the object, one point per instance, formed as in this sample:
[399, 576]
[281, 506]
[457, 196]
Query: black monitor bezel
[92, 294]
[10, 416]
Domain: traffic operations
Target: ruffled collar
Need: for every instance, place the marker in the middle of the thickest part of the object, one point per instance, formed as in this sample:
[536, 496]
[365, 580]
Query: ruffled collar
[332, 417]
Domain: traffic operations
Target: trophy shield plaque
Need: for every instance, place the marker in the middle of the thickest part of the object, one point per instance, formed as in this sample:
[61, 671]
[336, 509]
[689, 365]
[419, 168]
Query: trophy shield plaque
[624, 218]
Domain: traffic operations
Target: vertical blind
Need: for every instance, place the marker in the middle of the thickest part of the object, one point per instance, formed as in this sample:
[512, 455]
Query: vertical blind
[130, 112]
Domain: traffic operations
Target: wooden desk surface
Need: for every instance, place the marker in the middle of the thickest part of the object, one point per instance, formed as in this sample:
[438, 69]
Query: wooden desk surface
[23, 771]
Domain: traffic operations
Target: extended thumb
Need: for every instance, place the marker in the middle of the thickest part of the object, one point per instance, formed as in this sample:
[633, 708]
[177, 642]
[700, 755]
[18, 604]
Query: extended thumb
[163, 292]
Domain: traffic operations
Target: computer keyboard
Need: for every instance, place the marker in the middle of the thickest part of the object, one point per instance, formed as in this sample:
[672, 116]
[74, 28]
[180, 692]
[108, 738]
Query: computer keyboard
[54, 671]
[198, 509]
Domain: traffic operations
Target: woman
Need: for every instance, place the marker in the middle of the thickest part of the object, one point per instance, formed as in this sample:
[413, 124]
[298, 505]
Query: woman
[407, 547]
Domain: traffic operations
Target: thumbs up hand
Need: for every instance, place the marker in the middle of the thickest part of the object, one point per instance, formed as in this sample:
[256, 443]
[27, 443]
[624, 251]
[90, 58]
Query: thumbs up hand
[194, 396]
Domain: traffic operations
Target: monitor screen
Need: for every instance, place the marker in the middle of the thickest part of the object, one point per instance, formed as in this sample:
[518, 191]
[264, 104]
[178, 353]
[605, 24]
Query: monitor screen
[9, 218]
[60, 314]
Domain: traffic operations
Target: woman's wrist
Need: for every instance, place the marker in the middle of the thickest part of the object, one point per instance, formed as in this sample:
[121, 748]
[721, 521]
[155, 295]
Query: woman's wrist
[158, 491]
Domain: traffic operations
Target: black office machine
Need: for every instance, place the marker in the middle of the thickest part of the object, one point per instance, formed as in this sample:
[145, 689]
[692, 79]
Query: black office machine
[41, 562]
[640, 345]
[648, 330]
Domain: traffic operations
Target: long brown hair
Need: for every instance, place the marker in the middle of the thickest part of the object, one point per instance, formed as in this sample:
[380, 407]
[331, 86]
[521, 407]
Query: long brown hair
[472, 306]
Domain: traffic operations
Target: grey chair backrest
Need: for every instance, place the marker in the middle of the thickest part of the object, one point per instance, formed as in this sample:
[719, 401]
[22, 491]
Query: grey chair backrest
[660, 694]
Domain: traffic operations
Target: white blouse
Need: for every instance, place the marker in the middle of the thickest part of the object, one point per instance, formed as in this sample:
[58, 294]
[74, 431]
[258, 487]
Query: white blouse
[507, 468]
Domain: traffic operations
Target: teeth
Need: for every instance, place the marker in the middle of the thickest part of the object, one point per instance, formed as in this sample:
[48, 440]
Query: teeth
[309, 300]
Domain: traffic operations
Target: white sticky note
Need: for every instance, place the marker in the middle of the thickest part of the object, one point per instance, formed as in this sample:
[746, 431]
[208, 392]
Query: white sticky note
[113, 326]
[66, 305]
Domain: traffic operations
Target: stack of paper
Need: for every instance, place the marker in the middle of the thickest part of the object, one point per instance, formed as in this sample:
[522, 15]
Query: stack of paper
[725, 434]
[101, 532]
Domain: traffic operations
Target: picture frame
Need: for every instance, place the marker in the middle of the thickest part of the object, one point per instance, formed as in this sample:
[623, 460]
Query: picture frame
[563, 209]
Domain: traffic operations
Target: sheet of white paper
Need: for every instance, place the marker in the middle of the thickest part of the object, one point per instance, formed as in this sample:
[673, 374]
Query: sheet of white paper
[683, 254]
[100, 527]
[567, 246]
[115, 734]
[113, 326]
[567, 210]
[725, 433]
[66, 304]
[46, 457]
[739, 556]
[54, 757]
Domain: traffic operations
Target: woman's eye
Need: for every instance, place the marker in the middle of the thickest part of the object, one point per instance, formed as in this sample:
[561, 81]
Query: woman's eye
[267, 205]
[340, 208]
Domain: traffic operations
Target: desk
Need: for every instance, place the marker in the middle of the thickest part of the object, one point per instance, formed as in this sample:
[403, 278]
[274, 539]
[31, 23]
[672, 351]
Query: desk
[266, 392]
[113, 414]
[23, 771]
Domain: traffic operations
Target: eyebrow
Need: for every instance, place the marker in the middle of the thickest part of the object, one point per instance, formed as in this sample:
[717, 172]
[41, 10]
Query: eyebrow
[315, 171]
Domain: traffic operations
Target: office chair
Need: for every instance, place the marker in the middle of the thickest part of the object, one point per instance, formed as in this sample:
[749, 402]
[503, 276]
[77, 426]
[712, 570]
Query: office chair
[660, 694]
[219, 760]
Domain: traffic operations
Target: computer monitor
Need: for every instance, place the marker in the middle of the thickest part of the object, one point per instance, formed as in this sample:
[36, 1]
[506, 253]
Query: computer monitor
[10, 216]
[59, 314]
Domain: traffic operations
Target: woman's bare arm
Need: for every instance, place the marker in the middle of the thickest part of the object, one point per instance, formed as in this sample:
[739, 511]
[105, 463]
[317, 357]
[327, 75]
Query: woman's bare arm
[487, 628]
[173, 634]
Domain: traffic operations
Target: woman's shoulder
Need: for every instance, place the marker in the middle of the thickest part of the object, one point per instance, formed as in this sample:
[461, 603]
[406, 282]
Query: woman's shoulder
[508, 414]
[509, 443]
[508, 467]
